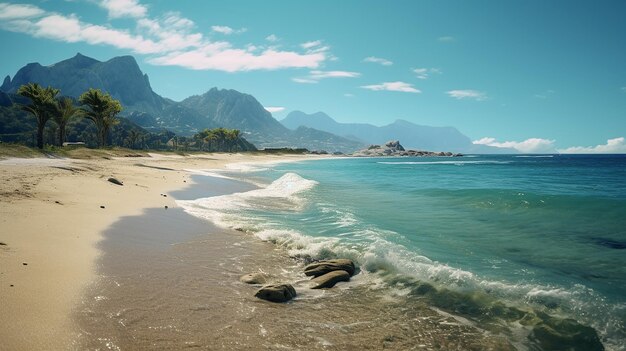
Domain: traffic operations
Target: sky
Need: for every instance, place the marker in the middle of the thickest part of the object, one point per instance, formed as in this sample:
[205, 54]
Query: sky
[535, 75]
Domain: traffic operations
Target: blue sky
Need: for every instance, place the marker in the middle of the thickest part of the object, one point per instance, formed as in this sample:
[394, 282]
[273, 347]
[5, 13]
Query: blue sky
[539, 76]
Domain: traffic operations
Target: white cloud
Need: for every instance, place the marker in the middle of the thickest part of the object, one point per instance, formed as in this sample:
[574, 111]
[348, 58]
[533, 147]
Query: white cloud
[528, 146]
[304, 80]
[226, 30]
[273, 109]
[17, 11]
[378, 60]
[546, 94]
[612, 146]
[467, 94]
[333, 74]
[170, 39]
[424, 73]
[124, 8]
[447, 39]
[222, 57]
[272, 38]
[393, 86]
[316, 76]
[311, 44]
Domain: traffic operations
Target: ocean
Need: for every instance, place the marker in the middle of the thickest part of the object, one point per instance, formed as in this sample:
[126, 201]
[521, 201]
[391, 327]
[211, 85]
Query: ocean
[491, 240]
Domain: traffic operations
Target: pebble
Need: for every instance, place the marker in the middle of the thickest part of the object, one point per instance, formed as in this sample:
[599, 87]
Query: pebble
[101, 206]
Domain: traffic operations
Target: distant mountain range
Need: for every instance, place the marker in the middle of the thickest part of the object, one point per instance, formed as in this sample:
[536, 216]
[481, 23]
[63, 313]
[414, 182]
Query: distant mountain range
[412, 135]
[123, 79]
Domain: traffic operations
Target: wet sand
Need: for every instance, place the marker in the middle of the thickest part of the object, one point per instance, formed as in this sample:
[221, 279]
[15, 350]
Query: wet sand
[51, 221]
[170, 281]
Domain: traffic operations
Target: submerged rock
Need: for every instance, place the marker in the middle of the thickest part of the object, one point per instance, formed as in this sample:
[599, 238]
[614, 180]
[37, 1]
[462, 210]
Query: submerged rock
[566, 334]
[329, 279]
[276, 293]
[325, 266]
[253, 278]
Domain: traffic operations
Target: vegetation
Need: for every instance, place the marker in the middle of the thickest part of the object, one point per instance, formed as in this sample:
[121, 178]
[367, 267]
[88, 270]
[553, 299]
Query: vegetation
[24, 117]
[41, 105]
[102, 109]
[221, 139]
[65, 111]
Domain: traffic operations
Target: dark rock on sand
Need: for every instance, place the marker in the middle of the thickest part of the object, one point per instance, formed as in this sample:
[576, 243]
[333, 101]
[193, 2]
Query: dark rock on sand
[253, 278]
[2, 244]
[115, 181]
[276, 293]
[101, 206]
[329, 279]
[325, 266]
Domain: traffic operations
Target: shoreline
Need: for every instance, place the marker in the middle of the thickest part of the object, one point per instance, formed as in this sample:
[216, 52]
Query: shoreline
[182, 289]
[52, 222]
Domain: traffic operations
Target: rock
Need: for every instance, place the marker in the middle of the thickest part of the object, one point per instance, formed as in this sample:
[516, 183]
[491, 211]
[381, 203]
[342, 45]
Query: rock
[395, 145]
[565, 334]
[3, 244]
[24, 263]
[166, 207]
[322, 267]
[101, 206]
[329, 279]
[276, 293]
[253, 278]
[115, 181]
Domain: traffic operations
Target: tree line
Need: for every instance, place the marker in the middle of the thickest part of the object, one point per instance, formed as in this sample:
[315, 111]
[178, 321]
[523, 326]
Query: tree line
[101, 110]
[44, 105]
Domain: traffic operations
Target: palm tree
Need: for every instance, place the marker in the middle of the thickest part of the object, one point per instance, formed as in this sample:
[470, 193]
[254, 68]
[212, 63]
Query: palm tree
[41, 105]
[101, 108]
[133, 136]
[65, 111]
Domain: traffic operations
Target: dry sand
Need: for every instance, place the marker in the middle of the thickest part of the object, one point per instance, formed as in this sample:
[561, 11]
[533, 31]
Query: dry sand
[51, 220]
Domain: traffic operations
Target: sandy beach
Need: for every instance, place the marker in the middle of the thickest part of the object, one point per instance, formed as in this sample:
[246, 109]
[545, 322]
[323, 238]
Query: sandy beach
[52, 215]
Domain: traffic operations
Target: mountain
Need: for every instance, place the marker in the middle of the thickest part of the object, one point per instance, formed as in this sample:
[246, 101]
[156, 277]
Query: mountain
[123, 79]
[237, 110]
[119, 76]
[413, 135]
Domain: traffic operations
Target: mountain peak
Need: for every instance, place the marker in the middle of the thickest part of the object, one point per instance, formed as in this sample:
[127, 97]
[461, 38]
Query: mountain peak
[6, 83]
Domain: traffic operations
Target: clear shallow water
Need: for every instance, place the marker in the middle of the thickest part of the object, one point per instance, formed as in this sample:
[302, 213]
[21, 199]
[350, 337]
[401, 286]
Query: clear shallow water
[546, 233]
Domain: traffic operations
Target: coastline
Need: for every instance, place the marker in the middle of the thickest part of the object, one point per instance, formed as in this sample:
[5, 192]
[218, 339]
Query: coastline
[178, 287]
[52, 222]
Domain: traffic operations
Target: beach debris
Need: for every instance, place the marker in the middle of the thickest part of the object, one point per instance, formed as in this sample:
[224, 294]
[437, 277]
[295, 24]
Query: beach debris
[166, 207]
[329, 279]
[276, 293]
[325, 266]
[11, 285]
[101, 206]
[253, 278]
[115, 181]
[58, 202]
[3, 244]
[24, 264]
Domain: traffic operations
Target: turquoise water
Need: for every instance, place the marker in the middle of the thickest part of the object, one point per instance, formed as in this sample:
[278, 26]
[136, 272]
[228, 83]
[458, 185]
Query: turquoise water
[546, 233]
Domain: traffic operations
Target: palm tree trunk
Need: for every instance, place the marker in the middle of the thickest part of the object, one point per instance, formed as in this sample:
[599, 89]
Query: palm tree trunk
[61, 134]
[40, 135]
